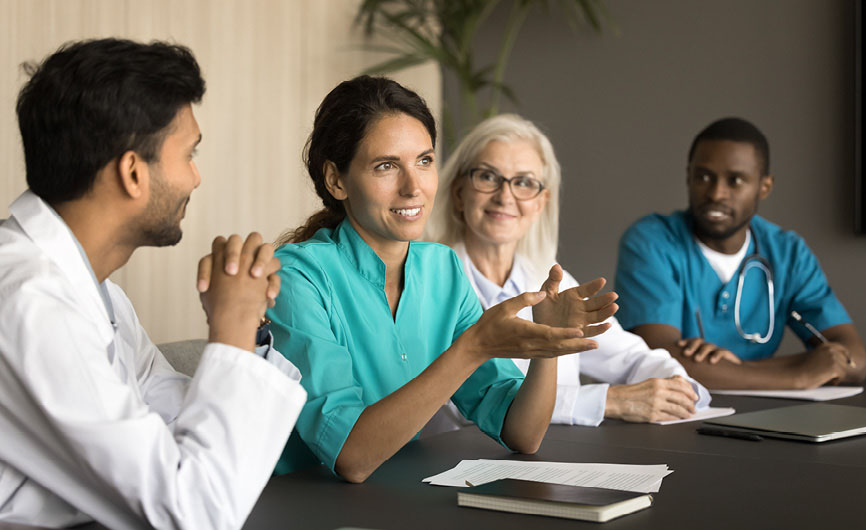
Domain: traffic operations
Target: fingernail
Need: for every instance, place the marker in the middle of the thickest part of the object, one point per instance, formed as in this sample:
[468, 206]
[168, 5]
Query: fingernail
[257, 271]
[202, 286]
[231, 268]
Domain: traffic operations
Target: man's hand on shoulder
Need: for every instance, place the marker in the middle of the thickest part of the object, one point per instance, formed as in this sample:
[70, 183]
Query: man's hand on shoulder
[237, 282]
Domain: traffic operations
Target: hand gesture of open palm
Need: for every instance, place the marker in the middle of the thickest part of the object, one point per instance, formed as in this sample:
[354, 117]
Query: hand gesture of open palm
[578, 307]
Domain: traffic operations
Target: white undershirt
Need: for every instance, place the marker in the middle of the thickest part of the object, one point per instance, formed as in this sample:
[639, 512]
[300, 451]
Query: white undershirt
[725, 265]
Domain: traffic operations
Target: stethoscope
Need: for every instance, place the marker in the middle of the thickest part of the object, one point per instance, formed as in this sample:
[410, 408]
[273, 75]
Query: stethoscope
[755, 261]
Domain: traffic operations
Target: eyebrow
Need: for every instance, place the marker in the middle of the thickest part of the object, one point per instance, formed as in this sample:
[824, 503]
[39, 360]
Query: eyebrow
[517, 174]
[728, 173]
[394, 158]
[386, 158]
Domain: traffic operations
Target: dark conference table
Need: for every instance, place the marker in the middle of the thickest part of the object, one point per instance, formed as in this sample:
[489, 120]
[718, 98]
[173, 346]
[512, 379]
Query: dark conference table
[717, 482]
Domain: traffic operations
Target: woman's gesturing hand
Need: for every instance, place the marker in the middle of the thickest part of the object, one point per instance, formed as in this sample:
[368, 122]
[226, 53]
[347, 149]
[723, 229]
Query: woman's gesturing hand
[501, 333]
[578, 307]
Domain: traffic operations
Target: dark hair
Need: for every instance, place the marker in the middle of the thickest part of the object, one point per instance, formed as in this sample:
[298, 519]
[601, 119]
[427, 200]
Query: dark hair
[342, 121]
[736, 130]
[91, 101]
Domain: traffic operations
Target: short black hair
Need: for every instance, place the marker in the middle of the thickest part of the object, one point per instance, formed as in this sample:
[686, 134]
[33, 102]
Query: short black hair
[91, 101]
[736, 130]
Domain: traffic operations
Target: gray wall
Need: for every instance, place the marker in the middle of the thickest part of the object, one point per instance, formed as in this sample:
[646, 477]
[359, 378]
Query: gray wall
[622, 110]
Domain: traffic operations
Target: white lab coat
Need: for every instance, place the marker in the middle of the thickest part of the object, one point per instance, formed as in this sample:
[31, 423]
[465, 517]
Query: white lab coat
[622, 358]
[94, 423]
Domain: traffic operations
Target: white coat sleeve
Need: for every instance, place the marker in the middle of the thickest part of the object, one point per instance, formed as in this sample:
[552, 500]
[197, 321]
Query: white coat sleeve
[623, 358]
[87, 435]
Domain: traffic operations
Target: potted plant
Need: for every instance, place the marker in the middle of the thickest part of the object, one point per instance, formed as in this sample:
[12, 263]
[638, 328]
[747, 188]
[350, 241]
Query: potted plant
[444, 31]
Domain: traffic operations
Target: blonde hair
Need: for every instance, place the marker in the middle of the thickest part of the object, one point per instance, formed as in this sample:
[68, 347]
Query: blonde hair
[446, 224]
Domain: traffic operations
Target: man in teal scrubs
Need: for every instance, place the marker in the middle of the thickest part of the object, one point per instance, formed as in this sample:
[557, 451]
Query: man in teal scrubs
[697, 282]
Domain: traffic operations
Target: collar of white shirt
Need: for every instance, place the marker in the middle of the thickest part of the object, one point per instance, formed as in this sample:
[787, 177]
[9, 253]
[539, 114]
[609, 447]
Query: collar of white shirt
[490, 294]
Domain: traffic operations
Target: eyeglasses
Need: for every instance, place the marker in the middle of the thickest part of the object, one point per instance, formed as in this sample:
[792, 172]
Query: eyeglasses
[487, 180]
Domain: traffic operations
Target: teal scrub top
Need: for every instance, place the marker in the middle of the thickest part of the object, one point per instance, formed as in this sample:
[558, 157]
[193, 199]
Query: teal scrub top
[663, 278]
[332, 320]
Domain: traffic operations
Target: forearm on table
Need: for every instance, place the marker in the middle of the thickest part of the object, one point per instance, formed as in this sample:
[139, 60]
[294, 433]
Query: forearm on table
[529, 415]
[389, 424]
[769, 374]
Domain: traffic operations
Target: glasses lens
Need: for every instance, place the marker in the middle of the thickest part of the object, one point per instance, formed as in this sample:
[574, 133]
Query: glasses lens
[525, 187]
[485, 180]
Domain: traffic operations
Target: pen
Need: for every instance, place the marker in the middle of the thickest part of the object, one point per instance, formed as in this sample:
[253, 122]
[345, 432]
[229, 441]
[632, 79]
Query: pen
[818, 335]
[712, 431]
[700, 322]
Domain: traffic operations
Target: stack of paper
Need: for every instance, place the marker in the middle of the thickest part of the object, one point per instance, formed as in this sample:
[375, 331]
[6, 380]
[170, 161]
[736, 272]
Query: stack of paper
[639, 478]
[705, 413]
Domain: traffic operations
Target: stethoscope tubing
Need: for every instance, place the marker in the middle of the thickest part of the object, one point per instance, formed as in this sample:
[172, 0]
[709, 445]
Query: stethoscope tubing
[755, 260]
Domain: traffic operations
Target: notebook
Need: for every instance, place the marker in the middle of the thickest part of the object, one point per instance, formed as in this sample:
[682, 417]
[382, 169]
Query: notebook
[554, 500]
[815, 422]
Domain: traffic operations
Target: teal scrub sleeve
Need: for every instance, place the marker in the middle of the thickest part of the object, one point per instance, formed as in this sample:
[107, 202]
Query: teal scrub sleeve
[304, 332]
[812, 296]
[486, 395]
[648, 280]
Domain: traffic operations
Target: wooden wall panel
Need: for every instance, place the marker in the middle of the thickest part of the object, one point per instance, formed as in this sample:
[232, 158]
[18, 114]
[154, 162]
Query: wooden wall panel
[268, 64]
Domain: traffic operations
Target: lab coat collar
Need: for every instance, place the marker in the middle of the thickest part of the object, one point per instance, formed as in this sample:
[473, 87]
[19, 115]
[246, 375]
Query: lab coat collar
[47, 230]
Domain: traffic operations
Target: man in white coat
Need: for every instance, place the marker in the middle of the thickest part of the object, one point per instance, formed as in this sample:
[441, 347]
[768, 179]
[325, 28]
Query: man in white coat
[94, 422]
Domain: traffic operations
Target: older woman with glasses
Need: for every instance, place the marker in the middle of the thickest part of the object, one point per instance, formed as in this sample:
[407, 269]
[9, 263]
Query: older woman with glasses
[497, 207]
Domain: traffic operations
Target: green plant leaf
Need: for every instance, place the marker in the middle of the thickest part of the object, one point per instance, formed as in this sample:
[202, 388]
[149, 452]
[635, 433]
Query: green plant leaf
[396, 64]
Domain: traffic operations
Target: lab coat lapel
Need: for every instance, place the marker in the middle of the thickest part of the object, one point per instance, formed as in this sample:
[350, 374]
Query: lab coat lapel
[48, 232]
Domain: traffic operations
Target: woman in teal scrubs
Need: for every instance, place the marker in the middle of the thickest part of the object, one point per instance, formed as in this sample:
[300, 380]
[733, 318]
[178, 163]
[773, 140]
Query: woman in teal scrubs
[385, 329]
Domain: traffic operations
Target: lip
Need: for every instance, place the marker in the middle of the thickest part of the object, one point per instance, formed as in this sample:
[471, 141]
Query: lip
[499, 215]
[406, 212]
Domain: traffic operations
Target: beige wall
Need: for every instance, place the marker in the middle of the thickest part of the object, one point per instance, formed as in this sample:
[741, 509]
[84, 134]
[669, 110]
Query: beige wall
[268, 64]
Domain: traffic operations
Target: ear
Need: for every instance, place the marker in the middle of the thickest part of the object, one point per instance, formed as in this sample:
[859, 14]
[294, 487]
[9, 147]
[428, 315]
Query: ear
[766, 186]
[133, 175]
[543, 200]
[334, 182]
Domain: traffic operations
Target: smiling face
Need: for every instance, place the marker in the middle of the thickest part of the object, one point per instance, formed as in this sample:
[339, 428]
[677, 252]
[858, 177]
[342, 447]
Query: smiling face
[725, 187]
[389, 188]
[498, 218]
[173, 177]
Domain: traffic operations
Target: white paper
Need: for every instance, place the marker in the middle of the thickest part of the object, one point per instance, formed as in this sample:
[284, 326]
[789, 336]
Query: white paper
[638, 478]
[823, 393]
[701, 414]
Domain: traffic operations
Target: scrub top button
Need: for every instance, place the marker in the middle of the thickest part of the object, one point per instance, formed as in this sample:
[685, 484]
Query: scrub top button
[724, 307]
[403, 356]
[726, 294]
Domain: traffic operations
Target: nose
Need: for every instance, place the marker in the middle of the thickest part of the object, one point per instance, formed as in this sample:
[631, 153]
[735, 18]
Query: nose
[504, 195]
[196, 175]
[410, 183]
[718, 190]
